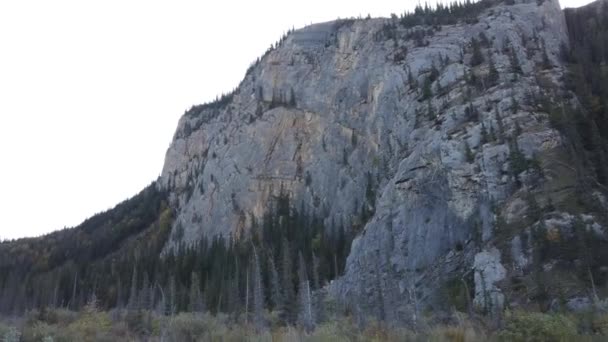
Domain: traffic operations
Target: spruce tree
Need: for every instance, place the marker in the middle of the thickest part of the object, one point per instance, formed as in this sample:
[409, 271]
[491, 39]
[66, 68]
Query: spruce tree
[172, 299]
[195, 300]
[306, 315]
[427, 92]
[470, 157]
[546, 61]
[258, 293]
[133, 302]
[477, 57]
[493, 76]
[514, 62]
[287, 280]
[276, 294]
[484, 134]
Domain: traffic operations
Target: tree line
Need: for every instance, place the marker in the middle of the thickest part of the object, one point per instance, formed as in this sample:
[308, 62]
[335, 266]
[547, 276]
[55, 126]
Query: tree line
[274, 266]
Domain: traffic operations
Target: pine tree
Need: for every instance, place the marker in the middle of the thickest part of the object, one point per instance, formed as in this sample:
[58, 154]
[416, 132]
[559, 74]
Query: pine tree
[501, 127]
[119, 294]
[276, 294]
[144, 293]
[514, 105]
[546, 61]
[258, 293]
[287, 280]
[172, 299]
[73, 303]
[484, 134]
[413, 83]
[195, 303]
[133, 300]
[514, 61]
[234, 293]
[315, 271]
[427, 92]
[493, 76]
[306, 315]
[247, 292]
[477, 57]
[470, 157]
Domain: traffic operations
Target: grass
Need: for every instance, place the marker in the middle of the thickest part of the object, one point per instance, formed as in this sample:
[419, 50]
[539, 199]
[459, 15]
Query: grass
[115, 326]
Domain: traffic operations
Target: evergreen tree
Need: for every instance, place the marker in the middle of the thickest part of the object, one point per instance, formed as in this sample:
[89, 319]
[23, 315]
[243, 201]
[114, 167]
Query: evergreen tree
[484, 134]
[195, 300]
[427, 92]
[144, 293]
[546, 62]
[258, 293]
[493, 76]
[514, 62]
[172, 299]
[430, 110]
[413, 83]
[477, 57]
[470, 157]
[315, 271]
[276, 294]
[133, 300]
[287, 280]
[306, 315]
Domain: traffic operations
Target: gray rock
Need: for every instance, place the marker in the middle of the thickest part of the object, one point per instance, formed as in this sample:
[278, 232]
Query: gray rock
[331, 109]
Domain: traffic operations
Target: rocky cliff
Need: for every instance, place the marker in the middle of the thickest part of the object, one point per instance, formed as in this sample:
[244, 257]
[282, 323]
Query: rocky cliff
[430, 141]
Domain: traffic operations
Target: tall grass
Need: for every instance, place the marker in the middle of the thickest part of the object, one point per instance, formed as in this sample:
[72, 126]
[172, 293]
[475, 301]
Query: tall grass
[115, 326]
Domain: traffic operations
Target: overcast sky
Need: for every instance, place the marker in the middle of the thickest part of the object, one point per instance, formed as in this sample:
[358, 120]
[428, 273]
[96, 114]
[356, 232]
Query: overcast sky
[91, 91]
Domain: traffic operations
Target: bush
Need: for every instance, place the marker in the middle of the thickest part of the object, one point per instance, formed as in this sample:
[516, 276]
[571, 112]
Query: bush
[191, 327]
[536, 326]
[40, 331]
[454, 334]
[90, 327]
[11, 334]
[600, 324]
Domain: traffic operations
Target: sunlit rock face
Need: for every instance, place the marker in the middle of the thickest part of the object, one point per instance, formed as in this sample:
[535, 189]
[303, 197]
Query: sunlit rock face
[361, 116]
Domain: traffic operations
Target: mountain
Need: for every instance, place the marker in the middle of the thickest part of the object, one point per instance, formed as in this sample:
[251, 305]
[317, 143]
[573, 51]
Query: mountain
[454, 157]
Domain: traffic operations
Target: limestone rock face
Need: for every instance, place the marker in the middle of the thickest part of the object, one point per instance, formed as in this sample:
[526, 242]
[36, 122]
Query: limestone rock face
[337, 117]
[488, 272]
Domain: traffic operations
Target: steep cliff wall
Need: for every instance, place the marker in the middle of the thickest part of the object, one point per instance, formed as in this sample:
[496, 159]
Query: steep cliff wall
[438, 131]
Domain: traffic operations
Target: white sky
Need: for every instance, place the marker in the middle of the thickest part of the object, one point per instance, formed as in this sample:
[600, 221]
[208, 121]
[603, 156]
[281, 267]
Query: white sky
[91, 91]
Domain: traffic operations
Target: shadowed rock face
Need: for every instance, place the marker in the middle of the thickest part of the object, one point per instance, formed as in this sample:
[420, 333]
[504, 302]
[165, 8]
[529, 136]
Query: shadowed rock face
[333, 112]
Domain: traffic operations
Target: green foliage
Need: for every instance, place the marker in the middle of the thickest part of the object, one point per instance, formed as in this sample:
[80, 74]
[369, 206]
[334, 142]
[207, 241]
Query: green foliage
[514, 62]
[430, 111]
[493, 75]
[458, 293]
[63, 267]
[11, 334]
[518, 161]
[427, 92]
[444, 14]
[477, 57]
[470, 157]
[112, 327]
[534, 326]
[485, 137]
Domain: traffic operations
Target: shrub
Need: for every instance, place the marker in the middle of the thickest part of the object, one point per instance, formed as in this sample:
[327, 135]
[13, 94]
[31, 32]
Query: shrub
[59, 316]
[600, 324]
[536, 326]
[11, 335]
[40, 331]
[452, 334]
[333, 331]
[90, 327]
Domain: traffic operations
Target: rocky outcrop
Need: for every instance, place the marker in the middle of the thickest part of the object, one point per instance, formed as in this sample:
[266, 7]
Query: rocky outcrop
[357, 116]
